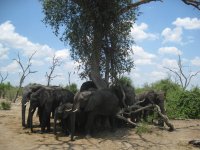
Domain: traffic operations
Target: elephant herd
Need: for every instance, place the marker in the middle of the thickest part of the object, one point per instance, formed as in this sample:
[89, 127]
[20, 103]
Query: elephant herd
[88, 110]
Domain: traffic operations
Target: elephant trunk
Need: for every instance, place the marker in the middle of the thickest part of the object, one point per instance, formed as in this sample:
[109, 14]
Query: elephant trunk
[123, 97]
[23, 115]
[24, 102]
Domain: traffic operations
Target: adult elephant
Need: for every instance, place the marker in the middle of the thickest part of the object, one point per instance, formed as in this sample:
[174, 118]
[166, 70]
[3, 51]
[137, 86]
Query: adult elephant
[63, 113]
[88, 86]
[104, 102]
[151, 97]
[26, 93]
[47, 99]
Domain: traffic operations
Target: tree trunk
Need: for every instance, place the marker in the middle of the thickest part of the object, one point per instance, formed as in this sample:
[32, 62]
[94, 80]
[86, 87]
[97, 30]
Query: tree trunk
[95, 62]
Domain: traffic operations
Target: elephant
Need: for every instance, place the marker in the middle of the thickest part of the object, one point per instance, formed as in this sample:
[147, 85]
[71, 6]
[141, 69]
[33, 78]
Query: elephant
[47, 99]
[26, 93]
[63, 113]
[88, 85]
[146, 98]
[103, 102]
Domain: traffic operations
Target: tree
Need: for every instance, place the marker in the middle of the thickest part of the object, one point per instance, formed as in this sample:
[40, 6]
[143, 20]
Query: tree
[3, 78]
[183, 79]
[99, 37]
[194, 3]
[25, 71]
[98, 32]
[55, 63]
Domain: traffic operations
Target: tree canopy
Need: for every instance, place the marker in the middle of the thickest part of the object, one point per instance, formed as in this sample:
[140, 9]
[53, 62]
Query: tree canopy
[98, 34]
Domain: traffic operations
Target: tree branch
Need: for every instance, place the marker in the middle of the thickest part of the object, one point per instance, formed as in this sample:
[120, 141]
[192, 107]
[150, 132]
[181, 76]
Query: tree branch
[55, 62]
[135, 4]
[176, 73]
[3, 78]
[24, 71]
[195, 3]
[190, 78]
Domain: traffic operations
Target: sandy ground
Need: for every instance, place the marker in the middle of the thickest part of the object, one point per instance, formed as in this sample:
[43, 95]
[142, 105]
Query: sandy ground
[14, 136]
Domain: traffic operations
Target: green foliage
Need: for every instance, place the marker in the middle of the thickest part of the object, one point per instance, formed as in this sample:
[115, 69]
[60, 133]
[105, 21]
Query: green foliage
[3, 88]
[189, 104]
[72, 87]
[97, 33]
[125, 81]
[178, 103]
[5, 105]
[7, 91]
[143, 128]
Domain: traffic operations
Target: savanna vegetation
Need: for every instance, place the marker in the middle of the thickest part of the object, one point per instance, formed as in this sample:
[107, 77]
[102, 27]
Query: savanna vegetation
[179, 103]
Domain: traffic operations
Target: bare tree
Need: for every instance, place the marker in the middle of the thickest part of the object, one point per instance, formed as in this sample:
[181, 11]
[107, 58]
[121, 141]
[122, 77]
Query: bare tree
[194, 3]
[3, 78]
[55, 63]
[179, 73]
[69, 78]
[25, 71]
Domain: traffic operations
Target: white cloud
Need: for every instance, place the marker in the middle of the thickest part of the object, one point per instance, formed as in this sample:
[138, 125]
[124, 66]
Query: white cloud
[11, 68]
[196, 61]
[64, 54]
[172, 35]
[3, 52]
[169, 50]
[170, 63]
[187, 23]
[139, 34]
[13, 40]
[37, 62]
[158, 75]
[142, 57]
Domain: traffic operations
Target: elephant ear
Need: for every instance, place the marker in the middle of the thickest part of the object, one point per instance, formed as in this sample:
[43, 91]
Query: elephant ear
[80, 99]
[96, 99]
[85, 95]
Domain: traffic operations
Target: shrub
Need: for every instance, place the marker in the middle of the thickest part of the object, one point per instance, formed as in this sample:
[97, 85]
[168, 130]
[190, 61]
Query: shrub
[143, 128]
[72, 87]
[5, 105]
[189, 104]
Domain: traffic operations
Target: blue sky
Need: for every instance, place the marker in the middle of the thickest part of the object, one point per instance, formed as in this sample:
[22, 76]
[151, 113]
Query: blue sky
[161, 32]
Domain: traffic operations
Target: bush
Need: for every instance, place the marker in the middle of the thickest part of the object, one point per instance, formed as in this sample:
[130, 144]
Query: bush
[72, 87]
[143, 128]
[5, 105]
[189, 104]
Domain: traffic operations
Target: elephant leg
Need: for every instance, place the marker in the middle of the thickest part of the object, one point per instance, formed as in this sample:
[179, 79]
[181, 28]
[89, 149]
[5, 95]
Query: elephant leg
[43, 121]
[160, 120]
[55, 123]
[40, 114]
[31, 112]
[145, 115]
[48, 125]
[72, 124]
[112, 123]
[89, 123]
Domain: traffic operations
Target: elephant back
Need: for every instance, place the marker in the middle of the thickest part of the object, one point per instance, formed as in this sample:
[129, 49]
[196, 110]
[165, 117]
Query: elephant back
[88, 85]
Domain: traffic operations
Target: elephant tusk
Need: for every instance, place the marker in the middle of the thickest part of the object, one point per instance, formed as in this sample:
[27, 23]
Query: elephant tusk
[75, 110]
[67, 110]
[25, 103]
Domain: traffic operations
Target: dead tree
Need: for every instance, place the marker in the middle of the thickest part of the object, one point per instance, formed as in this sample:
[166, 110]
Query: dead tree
[56, 62]
[69, 76]
[184, 79]
[3, 78]
[194, 3]
[156, 108]
[25, 72]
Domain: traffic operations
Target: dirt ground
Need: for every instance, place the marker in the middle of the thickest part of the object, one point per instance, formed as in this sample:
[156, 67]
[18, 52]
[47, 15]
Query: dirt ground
[14, 136]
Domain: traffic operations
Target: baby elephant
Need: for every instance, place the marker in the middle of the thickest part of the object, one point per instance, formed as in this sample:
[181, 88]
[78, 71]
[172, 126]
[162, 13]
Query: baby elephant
[63, 113]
